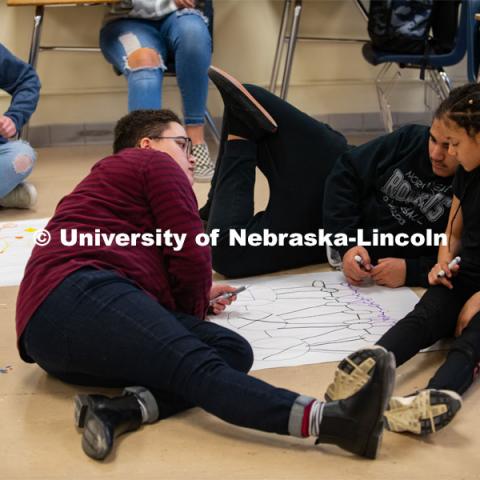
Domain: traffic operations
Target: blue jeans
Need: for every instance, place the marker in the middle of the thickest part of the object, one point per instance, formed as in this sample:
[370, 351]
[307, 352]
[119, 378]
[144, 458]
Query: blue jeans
[183, 36]
[16, 163]
[97, 328]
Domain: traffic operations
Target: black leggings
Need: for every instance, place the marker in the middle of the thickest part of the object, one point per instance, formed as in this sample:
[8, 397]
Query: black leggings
[296, 161]
[433, 318]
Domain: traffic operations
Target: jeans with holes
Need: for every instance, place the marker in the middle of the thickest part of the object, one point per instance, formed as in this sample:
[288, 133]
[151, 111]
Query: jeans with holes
[97, 328]
[182, 36]
[9, 177]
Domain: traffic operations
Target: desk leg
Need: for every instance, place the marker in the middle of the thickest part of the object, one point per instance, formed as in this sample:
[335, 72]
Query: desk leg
[297, 12]
[37, 30]
[280, 42]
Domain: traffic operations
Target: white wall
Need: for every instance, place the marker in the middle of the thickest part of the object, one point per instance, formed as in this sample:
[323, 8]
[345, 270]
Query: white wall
[327, 77]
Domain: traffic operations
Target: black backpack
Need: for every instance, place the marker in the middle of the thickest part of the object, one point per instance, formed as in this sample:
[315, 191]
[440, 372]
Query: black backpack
[413, 26]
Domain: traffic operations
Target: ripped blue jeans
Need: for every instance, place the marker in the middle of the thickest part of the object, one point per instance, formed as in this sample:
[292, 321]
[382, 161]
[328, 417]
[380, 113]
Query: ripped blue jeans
[183, 36]
[16, 163]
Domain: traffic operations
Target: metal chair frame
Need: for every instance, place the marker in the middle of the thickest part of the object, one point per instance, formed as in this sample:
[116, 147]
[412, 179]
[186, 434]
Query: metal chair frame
[292, 9]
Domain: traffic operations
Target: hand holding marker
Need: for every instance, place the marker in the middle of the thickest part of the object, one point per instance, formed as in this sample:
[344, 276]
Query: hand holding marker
[358, 259]
[227, 295]
[360, 262]
[454, 262]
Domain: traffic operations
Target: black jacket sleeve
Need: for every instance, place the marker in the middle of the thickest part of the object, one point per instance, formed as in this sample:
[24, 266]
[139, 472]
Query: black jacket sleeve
[352, 186]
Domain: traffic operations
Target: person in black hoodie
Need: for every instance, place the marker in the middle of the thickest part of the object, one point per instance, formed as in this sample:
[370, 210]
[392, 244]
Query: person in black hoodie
[400, 182]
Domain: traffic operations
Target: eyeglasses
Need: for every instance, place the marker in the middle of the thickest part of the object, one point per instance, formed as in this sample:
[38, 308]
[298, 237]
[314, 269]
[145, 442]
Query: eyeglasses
[185, 143]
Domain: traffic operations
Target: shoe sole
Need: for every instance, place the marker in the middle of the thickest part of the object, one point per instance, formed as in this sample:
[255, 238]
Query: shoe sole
[226, 82]
[388, 381]
[94, 439]
[352, 373]
[429, 412]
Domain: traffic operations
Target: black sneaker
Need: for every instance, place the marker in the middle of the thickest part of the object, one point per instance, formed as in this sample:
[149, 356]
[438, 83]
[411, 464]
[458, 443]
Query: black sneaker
[356, 423]
[353, 372]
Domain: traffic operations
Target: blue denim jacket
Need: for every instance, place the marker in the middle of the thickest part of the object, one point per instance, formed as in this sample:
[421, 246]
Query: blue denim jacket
[20, 80]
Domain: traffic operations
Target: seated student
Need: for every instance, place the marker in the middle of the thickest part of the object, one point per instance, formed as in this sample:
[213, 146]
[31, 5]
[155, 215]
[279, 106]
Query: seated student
[16, 157]
[451, 306]
[134, 315]
[137, 38]
[297, 154]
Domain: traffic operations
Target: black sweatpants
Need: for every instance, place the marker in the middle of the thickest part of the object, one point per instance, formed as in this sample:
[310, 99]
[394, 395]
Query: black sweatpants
[296, 160]
[433, 318]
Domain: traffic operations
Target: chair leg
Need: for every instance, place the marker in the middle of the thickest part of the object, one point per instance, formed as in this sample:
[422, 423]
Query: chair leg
[280, 43]
[383, 89]
[297, 12]
[445, 83]
[213, 127]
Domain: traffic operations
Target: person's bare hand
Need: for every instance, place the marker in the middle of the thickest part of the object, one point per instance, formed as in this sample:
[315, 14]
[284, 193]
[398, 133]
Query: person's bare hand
[471, 308]
[434, 279]
[221, 303]
[353, 271]
[7, 127]
[390, 272]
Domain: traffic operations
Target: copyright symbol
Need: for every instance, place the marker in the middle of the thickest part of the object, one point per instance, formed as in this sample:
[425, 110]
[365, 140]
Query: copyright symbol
[42, 238]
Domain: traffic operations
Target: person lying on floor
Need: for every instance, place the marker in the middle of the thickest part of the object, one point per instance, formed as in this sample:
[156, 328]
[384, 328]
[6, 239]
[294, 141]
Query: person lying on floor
[133, 315]
[398, 183]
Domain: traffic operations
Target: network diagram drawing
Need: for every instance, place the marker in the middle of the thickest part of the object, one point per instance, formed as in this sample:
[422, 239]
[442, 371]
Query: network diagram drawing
[312, 318]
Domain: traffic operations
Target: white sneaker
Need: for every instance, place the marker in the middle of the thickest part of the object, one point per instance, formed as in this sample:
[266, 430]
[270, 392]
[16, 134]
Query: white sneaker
[426, 412]
[204, 167]
[24, 195]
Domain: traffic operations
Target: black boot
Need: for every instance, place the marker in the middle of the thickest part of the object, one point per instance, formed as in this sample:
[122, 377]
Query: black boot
[246, 117]
[104, 419]
[356, 423]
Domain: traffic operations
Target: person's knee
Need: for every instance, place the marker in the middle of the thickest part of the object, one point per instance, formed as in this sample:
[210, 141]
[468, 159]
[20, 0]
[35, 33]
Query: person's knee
[144, 58]
[23, 158]
[468, 343]
[192, 27]
[243, 355]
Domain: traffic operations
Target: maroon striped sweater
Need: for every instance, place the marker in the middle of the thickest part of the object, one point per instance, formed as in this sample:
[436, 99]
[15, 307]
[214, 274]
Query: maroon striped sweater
[135, 191]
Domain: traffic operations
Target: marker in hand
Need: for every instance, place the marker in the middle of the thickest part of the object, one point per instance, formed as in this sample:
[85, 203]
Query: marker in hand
[361, 263]
[227, 295]
[454, 262]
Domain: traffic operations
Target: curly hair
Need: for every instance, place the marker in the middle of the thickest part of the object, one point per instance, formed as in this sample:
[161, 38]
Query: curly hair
[462, 107]
[138, 124]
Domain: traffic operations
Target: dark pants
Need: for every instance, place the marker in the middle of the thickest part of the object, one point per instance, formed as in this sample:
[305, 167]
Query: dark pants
[296, 161]
[99, 329]
[433, 318]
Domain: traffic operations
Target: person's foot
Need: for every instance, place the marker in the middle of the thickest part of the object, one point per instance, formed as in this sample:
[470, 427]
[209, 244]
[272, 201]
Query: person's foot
[24, 195]
[103, 419]
[356, 423]
[246, 117]
[204, 168]
[422, 413]
[353, 372]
